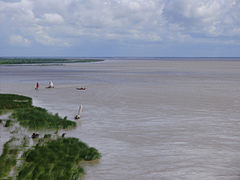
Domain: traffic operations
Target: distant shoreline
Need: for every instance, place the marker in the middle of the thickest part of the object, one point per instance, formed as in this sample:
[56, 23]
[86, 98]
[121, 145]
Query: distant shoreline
[62, 60]
[15, 61]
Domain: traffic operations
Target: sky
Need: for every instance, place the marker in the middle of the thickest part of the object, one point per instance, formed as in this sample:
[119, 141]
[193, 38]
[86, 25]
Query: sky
[123, 28]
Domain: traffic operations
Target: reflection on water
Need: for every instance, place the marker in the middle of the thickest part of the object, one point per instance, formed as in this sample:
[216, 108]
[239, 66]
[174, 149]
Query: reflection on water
[150, 119]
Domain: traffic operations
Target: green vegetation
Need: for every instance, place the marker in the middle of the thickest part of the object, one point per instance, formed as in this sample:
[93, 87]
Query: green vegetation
[25, 141]
[13, 101]
[44, 60]
[8, 159]
[53, 157]
[8, 123]
[36, 118]
[46, 136]
[61, 160]
[3, 111]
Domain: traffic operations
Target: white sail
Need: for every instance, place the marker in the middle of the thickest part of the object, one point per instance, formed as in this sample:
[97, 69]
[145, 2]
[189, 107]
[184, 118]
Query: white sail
[79, 112]
[51, 84]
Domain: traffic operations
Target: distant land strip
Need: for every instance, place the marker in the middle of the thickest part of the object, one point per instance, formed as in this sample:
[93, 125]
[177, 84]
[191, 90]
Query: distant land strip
[44, 60]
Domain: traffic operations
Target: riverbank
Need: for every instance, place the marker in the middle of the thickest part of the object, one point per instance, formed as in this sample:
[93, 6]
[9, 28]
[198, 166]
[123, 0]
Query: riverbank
[21, 159]
[5, 61]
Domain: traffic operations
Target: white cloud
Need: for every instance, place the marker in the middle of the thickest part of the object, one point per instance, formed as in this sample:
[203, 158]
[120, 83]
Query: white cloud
[51, 22]
[53, 18]
[208, 17]
[18, 40]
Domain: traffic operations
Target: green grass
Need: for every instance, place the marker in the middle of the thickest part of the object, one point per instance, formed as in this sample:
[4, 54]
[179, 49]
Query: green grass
[36, 118]
[8, 159]
[33, 118]
[8, 123]
[47, 136]
[61, 160]
[3, 111]
[25, 141]
[44, 60]
[13, 101]
[49, 159]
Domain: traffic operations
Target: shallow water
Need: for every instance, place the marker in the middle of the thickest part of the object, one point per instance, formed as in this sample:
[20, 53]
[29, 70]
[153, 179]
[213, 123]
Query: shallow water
[150, 119]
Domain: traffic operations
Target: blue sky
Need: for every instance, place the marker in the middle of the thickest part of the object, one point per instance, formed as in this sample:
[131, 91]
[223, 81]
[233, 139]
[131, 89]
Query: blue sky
[95, 28]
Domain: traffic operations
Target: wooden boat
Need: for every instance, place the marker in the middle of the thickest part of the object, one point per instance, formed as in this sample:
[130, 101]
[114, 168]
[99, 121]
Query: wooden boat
[50, 85]
[81, 88]
[35, 135]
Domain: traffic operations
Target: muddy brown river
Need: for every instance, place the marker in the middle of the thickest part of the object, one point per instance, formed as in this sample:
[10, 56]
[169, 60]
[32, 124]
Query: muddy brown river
[150, 119]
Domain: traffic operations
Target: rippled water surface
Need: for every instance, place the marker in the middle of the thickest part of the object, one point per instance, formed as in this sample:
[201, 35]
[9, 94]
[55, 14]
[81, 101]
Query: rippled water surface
[150, 119]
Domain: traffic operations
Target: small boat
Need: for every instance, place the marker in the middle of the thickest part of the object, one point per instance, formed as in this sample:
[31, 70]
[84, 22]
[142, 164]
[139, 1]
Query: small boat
[50, 85]
[37, 86]
[35, 135]
[81, 88]
[78, 115]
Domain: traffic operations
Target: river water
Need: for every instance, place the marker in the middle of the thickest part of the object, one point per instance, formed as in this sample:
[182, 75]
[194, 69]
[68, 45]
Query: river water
[150, 119]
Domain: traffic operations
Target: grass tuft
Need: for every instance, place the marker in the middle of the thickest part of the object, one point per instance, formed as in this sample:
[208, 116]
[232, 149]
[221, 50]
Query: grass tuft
[8, 159]
[8, 123]
[61, 159]
[13, 101]
[36, 118]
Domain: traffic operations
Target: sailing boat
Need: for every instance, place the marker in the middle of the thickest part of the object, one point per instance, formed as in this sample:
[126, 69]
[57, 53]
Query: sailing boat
[79, 113]
[50, 85]
[37, 86]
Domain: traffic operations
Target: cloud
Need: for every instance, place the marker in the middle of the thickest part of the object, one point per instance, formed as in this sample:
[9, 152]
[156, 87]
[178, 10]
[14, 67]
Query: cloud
[41, 36]
[209, 18]
[122, 19]
[18, 40]
[66, 23]
[53, 18]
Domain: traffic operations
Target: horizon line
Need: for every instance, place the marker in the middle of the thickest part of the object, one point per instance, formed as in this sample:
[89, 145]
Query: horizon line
[119, 57]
